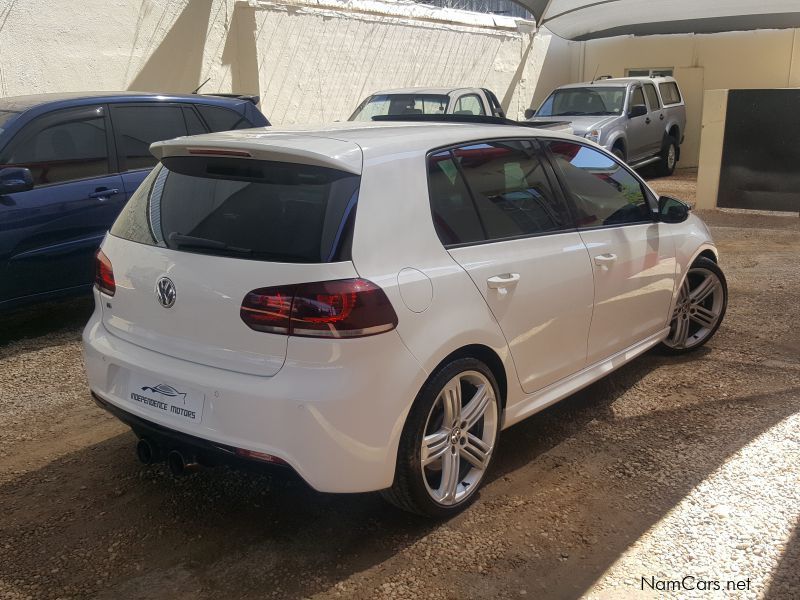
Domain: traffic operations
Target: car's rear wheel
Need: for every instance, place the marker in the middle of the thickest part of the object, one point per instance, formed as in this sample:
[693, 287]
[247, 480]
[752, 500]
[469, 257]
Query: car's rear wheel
[448, 440]
[669, 157]
[699, 309]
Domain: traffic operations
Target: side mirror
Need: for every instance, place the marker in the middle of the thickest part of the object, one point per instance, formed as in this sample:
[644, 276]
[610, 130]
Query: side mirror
[15, 179]
[637, 110]
[529, 113]
[672, 210]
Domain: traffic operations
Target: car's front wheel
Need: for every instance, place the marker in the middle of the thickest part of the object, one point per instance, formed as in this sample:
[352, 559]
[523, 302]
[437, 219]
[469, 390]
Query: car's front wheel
[699, 309]
[448, 440]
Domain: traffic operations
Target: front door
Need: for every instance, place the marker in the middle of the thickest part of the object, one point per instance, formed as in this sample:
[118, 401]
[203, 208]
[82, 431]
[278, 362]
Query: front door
[504, 221]
[632, 257]
[48, 235]
[639, 128]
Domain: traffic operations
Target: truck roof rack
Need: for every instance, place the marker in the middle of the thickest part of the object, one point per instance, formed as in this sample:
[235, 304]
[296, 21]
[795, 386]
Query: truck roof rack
[472, 119]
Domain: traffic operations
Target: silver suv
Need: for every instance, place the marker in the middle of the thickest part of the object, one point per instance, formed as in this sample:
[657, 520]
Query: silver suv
[639, 119]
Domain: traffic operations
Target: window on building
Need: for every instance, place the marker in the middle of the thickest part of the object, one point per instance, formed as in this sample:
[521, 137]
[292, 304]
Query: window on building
[650, 72]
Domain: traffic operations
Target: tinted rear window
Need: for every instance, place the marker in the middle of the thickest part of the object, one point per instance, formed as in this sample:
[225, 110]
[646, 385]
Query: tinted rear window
[223, 119]
[259, 210]
[670, 93]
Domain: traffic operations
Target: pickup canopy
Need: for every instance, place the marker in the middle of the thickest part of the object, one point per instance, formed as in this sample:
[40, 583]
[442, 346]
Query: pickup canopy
[590, 19]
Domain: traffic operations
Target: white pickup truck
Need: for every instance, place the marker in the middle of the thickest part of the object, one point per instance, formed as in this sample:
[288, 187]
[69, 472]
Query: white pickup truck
[429, 101]
[640, 119]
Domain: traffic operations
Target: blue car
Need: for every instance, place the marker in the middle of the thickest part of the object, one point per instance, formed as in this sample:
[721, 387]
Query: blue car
[68, 164]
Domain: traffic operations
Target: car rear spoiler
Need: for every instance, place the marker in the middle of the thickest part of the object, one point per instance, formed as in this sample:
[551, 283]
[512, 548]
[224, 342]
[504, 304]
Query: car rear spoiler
[249, 97]
[473, 119]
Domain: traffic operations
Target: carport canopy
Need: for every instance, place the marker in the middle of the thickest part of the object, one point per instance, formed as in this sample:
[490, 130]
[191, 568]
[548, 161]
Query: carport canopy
[590, 19]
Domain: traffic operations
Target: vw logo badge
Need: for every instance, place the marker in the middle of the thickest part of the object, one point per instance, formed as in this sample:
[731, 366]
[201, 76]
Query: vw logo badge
[165, 292]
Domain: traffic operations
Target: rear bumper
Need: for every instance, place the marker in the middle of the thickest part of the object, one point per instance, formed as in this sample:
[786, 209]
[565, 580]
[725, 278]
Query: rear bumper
[207, 453]
[334, 412]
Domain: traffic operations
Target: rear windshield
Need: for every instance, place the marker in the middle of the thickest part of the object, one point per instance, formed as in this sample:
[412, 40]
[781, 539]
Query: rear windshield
[260, 210]
[401, 104]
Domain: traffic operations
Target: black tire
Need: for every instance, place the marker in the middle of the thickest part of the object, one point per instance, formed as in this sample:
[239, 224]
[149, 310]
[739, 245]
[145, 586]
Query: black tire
[408, 492]
[668, 162]
[709, 265]
[618, 152]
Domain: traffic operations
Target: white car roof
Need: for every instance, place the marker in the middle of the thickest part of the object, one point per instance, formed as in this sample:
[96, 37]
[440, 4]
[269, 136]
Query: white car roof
[439, 91]
[343, 146]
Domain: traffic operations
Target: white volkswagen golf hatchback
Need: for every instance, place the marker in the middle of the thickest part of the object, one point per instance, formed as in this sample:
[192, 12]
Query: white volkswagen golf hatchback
[371, 305]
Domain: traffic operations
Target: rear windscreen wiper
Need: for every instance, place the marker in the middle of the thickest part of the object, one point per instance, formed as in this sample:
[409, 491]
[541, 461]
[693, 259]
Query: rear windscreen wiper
[189, 241]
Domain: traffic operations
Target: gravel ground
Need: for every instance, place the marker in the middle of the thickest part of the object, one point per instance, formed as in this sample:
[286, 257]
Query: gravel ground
[666, 468]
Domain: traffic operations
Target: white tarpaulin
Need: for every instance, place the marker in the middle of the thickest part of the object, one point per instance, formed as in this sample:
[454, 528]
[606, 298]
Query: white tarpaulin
[588, 19]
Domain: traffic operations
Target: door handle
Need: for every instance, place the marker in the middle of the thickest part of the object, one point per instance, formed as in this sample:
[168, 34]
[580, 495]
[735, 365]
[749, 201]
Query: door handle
[661, 117]
[103, 193]
[602, 260]
[647, 120]
[502, 281]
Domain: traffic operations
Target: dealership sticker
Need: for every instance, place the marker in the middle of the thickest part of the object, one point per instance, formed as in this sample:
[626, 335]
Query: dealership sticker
[174, 402]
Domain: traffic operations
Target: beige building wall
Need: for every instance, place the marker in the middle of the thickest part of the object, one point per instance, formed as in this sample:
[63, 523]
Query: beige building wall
[310, 60]
[753, 59]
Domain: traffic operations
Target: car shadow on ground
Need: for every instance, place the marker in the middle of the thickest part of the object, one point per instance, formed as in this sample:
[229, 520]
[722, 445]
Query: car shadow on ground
[113, 527]
[38, 323]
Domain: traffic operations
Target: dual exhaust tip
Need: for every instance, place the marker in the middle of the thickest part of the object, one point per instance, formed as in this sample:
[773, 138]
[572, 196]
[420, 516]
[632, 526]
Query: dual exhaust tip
[178, 464]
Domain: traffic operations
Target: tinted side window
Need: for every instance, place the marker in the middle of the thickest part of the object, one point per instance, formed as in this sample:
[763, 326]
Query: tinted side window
[454, 215]
[136, 127]
[652, 97]
[637, 97]
[194, 125]
[669, 92]
[511, 190]
[222, 119]
[66, 150]
[469, 105]
[603, 191]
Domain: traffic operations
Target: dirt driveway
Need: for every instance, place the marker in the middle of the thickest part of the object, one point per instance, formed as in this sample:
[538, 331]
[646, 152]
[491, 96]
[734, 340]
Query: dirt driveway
[667, 468]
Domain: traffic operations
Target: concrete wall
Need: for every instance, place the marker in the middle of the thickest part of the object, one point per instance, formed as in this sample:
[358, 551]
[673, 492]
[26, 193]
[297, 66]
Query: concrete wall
[753, 59]
[310, 60]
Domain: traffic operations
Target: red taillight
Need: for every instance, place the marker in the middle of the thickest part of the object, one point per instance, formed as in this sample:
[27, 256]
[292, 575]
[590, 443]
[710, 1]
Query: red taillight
[104, 274]
[344, 308]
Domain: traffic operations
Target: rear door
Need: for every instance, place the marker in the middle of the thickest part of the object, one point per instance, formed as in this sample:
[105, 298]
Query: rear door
[656, 116]
[632, 256]
[497, 210]
[48, 235]
[639, 128]
[136, 126]
[213, 229]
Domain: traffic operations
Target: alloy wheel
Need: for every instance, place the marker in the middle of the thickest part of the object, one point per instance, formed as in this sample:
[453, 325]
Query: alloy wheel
[698, 309]
[459, 436]
[671, 157]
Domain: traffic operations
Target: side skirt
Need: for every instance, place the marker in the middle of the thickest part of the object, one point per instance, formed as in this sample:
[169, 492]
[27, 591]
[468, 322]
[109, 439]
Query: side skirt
[571, 384]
